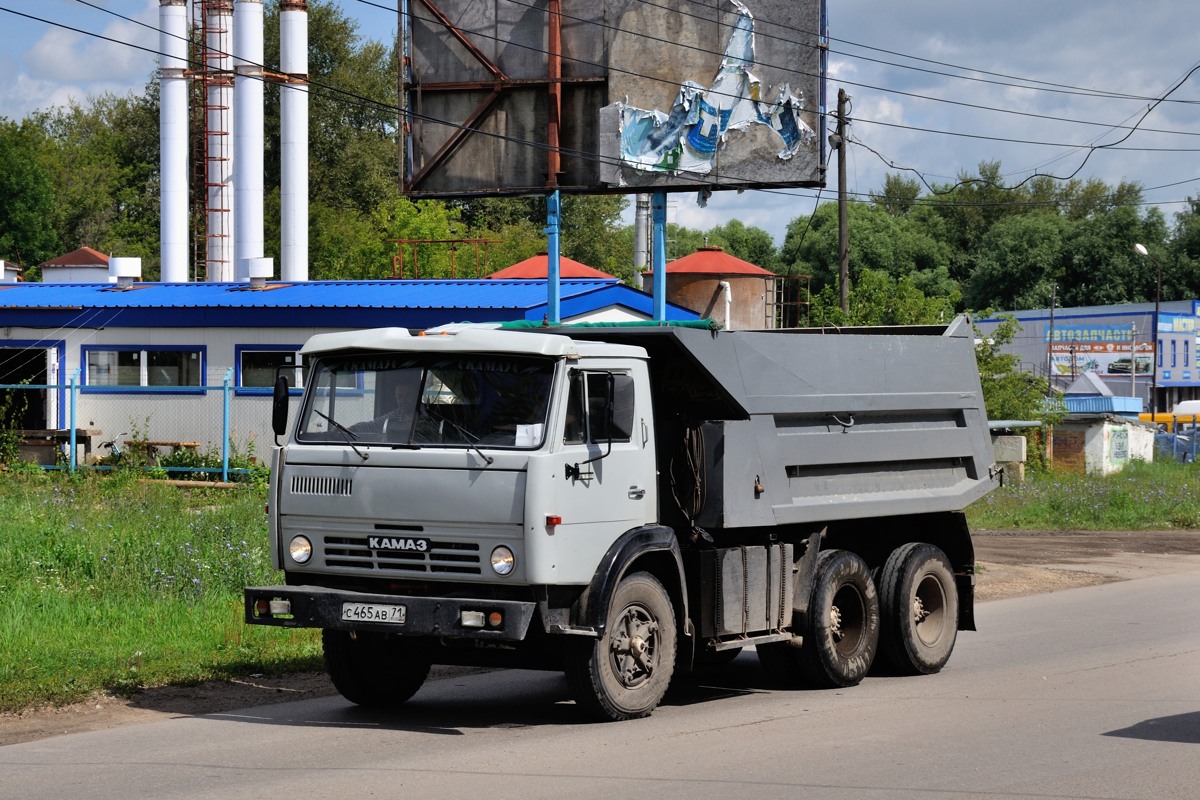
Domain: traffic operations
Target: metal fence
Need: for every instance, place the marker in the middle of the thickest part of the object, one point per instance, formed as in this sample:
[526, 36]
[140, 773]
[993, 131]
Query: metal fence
[219, 431]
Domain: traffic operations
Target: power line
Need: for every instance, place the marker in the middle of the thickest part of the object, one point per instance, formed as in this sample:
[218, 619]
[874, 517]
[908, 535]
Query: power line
[699, 181]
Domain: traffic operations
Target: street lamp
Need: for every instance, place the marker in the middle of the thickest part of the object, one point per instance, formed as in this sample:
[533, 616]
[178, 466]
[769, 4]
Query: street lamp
[1141, 250]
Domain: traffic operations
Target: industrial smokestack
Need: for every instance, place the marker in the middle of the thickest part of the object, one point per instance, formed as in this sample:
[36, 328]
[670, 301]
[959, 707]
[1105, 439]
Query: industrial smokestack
[293, 112]
[173, 140]
[248, 134]
[219, 123]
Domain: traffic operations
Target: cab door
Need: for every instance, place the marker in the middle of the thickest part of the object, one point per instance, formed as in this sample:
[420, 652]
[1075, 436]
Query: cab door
[604, 472]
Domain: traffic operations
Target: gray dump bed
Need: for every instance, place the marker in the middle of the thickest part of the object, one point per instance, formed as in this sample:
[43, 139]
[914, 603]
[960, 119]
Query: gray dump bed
[809, 426]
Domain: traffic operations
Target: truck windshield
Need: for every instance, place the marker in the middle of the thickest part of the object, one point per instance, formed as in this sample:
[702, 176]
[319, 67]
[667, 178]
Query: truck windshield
[428, 400]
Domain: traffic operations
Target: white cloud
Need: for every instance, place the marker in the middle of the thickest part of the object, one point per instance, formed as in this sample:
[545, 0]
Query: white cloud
[64, 65]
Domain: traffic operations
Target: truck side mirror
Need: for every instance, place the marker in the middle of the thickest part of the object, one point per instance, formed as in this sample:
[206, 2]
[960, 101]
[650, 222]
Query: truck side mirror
[279, 407]
[607, 432]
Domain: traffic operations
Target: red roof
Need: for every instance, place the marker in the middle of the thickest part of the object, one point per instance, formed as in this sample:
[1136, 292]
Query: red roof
[83, 257]
[536, 267]
[714, 261]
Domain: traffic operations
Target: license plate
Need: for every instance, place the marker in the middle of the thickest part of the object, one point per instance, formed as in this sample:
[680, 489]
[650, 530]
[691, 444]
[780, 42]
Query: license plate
[372, 612]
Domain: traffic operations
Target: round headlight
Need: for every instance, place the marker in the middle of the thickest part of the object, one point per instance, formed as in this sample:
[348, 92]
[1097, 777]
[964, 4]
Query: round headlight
[503, 560]
[300, 549]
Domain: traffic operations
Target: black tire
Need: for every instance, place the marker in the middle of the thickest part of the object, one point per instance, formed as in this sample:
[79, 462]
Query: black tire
[625, 673]
[918, 602]
[840, 630]
[373, 670]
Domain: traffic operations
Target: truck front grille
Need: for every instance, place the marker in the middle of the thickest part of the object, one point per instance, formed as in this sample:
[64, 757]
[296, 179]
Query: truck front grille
[323, 485]
[441, 557]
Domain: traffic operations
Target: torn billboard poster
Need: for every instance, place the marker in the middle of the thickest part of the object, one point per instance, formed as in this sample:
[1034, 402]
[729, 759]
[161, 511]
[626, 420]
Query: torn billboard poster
[688, 138]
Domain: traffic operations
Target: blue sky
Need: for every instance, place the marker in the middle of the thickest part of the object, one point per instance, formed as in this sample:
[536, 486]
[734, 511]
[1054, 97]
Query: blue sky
[937, 85]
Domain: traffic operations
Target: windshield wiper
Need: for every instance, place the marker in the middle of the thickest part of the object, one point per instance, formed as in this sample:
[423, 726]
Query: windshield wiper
[349, 434]
[469, 439]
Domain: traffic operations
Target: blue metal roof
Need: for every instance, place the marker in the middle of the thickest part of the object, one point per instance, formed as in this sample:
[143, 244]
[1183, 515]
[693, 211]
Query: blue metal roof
[414, 304]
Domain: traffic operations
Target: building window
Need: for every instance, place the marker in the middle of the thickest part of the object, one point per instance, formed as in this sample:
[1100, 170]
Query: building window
[1173, 348]
[133, 367]
[258, 366]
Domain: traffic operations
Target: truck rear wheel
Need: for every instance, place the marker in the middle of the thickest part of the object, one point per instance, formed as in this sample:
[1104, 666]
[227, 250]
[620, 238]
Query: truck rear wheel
[625, 673]
[840, 632]
[918, 602]
[373, 670]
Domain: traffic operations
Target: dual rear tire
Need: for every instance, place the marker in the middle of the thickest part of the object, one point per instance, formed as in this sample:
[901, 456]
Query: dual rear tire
[910, 619]
[840, 631]
[918, 601]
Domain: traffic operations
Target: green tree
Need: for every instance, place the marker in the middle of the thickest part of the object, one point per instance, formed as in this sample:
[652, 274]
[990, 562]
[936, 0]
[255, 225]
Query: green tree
[588, 222]
[877, 298]
[27, 234]
[1008, 391]
[895, 245]
[747, 242]
[102, 157]
[1184, 253]
[899, 195]
[1020, 257]
[1101, 267]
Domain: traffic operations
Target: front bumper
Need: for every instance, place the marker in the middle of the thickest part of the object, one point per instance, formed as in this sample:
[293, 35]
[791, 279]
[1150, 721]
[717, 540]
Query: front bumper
[320, 607]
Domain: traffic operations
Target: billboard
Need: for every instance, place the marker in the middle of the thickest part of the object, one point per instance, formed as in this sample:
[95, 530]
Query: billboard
[592, 96]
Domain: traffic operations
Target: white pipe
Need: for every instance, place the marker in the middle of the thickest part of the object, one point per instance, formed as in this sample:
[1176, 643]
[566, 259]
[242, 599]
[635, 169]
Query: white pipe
[248, 134]
[728, 291]
[220, 143]
[293, 112]
[173, 140]
[641, 233]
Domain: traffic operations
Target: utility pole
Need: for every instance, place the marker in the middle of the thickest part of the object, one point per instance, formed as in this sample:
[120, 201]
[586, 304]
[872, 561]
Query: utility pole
[1133, 359]
[843, 224]
[1050, 344]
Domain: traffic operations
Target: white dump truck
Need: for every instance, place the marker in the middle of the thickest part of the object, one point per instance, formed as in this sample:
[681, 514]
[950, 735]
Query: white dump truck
[625, 503]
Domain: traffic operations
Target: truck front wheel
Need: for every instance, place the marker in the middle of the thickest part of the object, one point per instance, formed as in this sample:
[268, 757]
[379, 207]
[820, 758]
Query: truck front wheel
[919, 606]
[371, 669]
[625, 673]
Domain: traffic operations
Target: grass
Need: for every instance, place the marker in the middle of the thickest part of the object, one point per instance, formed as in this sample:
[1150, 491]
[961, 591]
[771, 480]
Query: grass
[1156, 496]
[111, 584]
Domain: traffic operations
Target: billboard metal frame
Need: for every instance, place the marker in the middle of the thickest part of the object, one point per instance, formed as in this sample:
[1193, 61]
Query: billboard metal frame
[464, 100]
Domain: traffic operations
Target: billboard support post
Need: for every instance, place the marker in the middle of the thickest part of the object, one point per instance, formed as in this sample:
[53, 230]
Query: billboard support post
[553, 258]
[658, 213]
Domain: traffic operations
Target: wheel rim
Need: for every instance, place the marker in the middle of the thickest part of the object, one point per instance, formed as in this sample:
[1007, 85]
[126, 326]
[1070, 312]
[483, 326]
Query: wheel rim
[634, 649]
[847, 620]
[929, 610]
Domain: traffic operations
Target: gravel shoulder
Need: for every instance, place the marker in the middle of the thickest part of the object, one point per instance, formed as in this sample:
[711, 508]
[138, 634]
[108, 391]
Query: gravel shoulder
[1011, 564]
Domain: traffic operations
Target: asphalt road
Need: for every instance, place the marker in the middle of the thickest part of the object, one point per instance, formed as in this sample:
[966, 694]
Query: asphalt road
[1087, 693]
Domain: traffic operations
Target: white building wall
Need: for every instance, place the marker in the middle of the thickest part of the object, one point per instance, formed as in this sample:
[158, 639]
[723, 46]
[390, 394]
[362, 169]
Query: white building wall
[177, 417]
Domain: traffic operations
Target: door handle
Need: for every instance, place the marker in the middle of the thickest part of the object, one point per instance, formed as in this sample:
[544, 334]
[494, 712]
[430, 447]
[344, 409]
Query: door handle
[636, 493]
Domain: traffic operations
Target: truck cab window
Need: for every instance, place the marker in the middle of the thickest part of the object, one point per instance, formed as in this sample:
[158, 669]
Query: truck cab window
[587, 397]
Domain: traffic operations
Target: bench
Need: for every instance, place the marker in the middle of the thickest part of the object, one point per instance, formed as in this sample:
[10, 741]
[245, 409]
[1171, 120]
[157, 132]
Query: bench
[44, 446]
